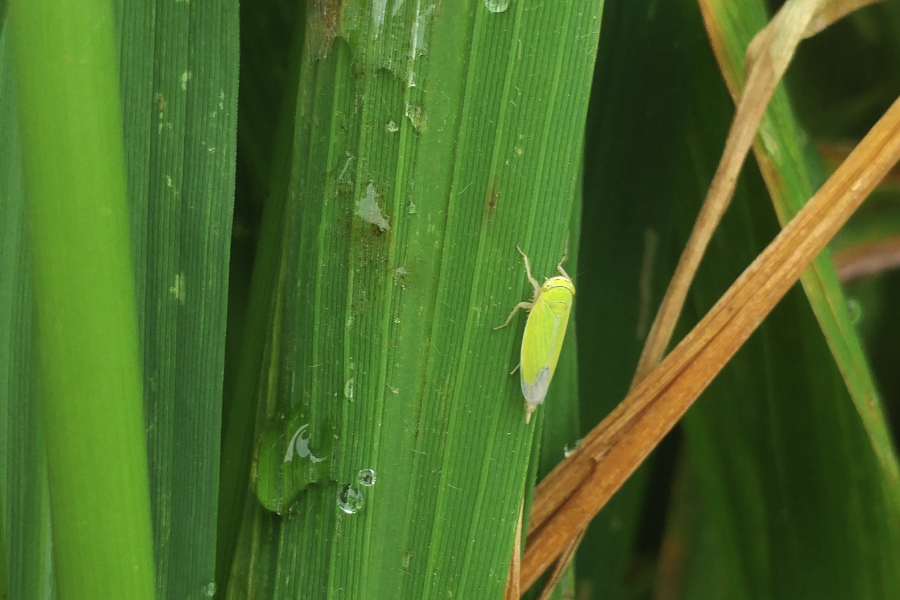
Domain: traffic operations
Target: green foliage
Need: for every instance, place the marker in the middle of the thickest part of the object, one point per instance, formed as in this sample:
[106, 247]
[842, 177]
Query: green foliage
[178, 103]
[385, 159]
[415, 176]
[786, 480]
[84, 328]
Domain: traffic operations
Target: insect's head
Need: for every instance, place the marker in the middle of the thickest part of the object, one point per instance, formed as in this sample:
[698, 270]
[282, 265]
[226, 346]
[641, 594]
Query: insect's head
[558, 282]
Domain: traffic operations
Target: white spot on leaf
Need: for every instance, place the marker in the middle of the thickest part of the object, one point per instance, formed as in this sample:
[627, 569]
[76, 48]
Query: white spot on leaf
[496, 6]
[379, 7]
[417, 33]
[368, 210]
[177, 288]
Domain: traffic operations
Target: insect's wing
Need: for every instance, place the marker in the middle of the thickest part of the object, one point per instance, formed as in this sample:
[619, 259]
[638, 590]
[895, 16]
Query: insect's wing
[542, 341]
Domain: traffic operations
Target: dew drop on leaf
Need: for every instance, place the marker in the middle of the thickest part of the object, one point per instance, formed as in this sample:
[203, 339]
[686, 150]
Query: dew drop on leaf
[349, 499]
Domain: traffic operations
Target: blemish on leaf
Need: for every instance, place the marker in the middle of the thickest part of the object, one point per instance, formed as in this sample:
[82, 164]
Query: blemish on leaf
[350, 158]
[177, 288]
[368, 210]
[379, 8]
[490, 200]
[322, 26]
[400, 274]
[417, 33]
[496, 6]
[416, 116]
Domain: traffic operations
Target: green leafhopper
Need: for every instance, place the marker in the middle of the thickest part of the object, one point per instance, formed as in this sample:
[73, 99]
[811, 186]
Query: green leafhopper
[545, 330]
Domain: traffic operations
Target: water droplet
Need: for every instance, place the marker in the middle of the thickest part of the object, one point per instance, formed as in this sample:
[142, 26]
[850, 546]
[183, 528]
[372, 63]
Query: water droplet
[496, 6]
[567, 450]
[855, 310]
[366, 477]
[392, 127]
[291, 455]
[349, 499]
[209, 589]
[348, 389]
[300, 444]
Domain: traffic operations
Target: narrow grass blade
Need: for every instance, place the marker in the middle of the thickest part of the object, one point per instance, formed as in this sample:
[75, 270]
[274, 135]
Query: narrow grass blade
[179, 67]
[252, 341]
[87, 340]
[23, 468]
[4, 577]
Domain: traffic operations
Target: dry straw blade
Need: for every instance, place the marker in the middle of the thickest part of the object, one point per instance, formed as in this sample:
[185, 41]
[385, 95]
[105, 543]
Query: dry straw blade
[789, 182]
[567, 500]
[581, 485]
[767, 59]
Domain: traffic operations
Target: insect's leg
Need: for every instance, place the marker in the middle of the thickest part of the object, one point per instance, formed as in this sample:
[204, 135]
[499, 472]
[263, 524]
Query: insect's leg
[563, 259]
[513, 372]
[531, 279]
[525, 305]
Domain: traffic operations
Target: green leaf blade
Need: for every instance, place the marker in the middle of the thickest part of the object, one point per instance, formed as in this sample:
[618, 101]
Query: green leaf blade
[461, 167]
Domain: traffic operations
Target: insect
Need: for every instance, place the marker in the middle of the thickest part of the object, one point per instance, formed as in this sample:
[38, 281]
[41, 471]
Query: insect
[545, 330]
